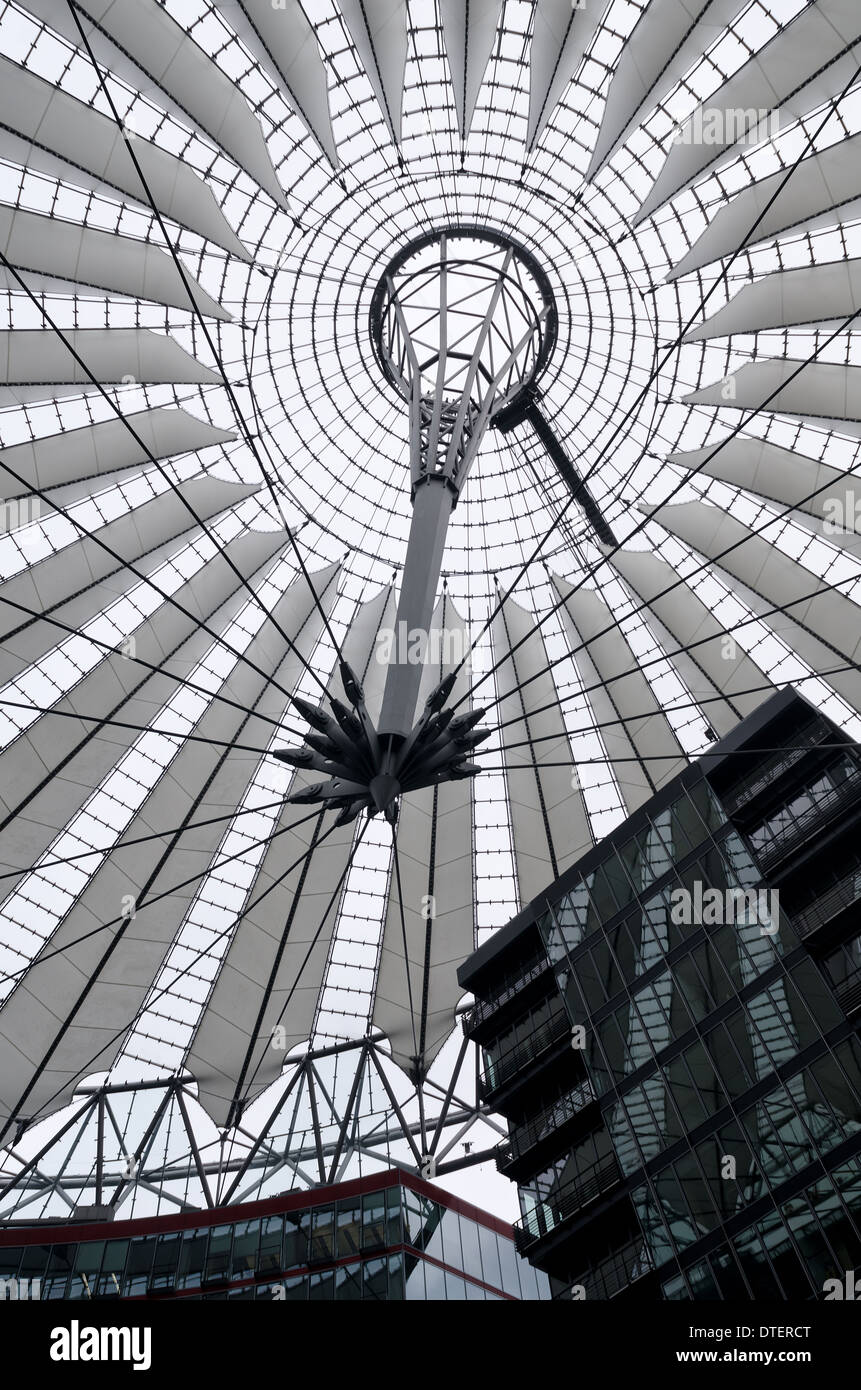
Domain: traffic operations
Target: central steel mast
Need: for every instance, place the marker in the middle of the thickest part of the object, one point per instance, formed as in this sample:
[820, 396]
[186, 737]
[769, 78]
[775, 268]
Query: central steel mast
[463, 321]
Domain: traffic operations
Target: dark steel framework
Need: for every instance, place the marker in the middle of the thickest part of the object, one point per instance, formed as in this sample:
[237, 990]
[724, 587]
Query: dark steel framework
[309, 1135]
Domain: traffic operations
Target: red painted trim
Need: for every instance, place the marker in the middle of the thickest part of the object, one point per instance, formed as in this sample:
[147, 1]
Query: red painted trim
[68, 1233]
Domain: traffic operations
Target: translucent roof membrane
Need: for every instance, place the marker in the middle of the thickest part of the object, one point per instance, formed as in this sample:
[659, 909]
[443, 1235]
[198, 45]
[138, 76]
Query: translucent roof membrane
[206, 495]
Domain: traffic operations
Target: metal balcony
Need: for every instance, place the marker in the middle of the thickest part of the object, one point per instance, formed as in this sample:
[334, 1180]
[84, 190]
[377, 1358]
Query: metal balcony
[568, 1201]
[617, 1272]
[848, 994]
[829, 904]
[543, 1126]
[529, 1049]
[825, 809]
[769, 771]
[508, 989]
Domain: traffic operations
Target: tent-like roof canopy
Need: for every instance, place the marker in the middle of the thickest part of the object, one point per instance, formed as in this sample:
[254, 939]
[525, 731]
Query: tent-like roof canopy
[205, 475]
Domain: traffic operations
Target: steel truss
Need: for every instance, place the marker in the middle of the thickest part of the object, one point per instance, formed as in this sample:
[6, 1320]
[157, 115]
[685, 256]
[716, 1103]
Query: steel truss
[111, 1152]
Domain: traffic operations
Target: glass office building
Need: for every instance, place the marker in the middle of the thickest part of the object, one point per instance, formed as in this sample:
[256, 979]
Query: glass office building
[672, 1031]
[387, 1237]
[424, 429]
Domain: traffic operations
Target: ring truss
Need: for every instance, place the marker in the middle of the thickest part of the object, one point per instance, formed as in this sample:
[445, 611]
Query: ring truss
[208, 990]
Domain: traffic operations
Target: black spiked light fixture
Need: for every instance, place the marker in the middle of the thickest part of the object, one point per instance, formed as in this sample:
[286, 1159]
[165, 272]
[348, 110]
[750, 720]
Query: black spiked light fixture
[368, 772]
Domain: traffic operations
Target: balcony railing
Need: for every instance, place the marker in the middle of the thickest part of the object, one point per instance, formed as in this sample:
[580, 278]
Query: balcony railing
[848, 994]
[496, 1073]
[834, 900]
[507, 990]
[566, 1202]
[769, 771]
[799, 829]
[545, 1124]
[621, 1269]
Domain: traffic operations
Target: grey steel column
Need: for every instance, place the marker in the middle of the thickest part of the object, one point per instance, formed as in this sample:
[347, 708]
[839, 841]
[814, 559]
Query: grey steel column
[433, 505]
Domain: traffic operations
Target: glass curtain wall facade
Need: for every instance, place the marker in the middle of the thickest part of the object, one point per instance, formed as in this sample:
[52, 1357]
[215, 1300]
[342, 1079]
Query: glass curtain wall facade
[694, 1131]
[388, 1237]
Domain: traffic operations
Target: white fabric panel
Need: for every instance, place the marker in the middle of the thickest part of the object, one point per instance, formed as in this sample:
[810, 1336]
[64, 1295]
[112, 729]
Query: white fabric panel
[561, 34]
[820, 184]
[59, 576]
[679, 618]
[45, 1020]
[378, 28]
[73, 142]
[822, 391]
[284, 43]
[535, 789]
[781, 475]
[470, 33]
[32, 359]
[95, 451]
[233, 1040]
[435, 947]
[796, 70]
[49, 246]
[668, 38]
[42, 766]
[360, 650]
[816, 492]
[81, 580]
[71, 493]
[822, 626]
[145, 31]
[813, 294]
[620, 690]
[633, 784]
